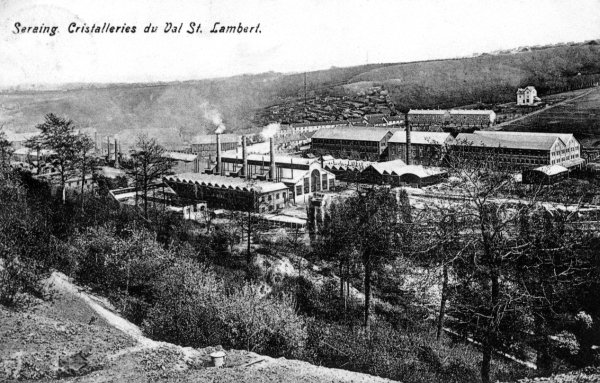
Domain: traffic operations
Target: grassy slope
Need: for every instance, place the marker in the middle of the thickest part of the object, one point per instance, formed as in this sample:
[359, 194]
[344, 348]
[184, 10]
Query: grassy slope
[182, 105]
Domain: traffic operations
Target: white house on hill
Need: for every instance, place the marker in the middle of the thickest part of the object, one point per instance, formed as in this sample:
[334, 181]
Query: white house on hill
[527, 96]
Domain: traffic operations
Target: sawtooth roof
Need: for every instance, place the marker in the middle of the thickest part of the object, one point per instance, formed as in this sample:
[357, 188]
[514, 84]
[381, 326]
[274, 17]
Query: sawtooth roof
[223, 182]
[399, 168]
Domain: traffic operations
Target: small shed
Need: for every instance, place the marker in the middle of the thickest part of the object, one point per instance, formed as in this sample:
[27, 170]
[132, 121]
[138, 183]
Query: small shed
[545, 175]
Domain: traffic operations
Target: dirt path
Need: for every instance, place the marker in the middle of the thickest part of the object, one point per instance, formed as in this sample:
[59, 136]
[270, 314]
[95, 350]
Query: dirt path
[188, 364]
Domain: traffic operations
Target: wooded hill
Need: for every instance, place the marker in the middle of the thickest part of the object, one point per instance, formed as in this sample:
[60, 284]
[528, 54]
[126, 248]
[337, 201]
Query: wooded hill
[191, 106]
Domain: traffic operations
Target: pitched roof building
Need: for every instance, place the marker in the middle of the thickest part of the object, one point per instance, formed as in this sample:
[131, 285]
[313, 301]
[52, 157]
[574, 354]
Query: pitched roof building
[367, 142]
[520, 149]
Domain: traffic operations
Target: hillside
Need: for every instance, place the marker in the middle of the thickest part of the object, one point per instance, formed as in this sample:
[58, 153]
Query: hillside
[181, 109]
[76, 334]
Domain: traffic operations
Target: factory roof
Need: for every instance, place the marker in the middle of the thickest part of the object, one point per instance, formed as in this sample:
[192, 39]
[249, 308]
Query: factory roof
[187, 157]
[18, 137]
[519, 136]
[551, 170]
[354, 133]
[232, 156]
[227, 182]
[451, 111]
[29, 151]
[535, 142]
[423, 138]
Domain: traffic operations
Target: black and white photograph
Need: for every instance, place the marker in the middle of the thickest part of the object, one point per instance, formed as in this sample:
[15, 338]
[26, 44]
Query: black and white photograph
[302, 191]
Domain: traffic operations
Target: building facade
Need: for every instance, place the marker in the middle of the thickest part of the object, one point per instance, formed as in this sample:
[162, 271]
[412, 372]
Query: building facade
[427, 148]
[519, 149]
[302, 176]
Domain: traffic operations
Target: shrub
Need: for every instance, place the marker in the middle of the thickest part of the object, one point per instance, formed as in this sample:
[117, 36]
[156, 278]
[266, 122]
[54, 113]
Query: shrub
[195, 308]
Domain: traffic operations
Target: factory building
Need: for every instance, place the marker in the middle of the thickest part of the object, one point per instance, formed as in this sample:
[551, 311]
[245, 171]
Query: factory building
[366, 142]
[427, 148]
[519, 150]
[232, 193]
[467, 118]
[302, 176]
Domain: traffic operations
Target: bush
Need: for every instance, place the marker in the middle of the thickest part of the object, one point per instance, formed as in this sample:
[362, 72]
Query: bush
[195, 308]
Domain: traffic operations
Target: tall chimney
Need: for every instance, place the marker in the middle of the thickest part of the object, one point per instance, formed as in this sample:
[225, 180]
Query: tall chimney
[408, 147]
[108, 148]
[218, 170]
[272, 153]
[245, 171]
[116, 154]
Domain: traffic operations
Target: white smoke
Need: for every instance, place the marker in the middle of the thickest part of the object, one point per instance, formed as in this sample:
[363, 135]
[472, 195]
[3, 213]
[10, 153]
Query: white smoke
[270, 130]
[213, 116]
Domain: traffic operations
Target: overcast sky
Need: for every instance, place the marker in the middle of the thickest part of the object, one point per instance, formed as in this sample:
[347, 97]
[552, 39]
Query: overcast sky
[295, 35]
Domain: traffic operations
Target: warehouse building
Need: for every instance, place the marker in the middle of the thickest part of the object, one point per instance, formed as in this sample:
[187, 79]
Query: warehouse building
[232, 193]
[366, 142]
[427, 148]
[519, 150]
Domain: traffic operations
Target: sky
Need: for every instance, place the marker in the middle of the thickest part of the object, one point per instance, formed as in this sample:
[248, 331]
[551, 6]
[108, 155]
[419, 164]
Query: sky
[294, 36]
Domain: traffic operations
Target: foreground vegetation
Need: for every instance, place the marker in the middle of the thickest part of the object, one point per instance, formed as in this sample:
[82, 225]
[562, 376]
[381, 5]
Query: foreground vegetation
[513, 277]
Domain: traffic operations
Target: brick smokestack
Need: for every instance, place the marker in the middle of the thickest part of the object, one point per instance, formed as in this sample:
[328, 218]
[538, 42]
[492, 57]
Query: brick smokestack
[408, 146]
[218, 169]
[272, 169]
[116, 153]
[108, 148]
[245, 171]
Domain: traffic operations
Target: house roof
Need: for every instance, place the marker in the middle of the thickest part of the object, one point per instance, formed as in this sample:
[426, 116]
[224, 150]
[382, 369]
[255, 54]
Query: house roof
[522, 90]
[423, 138]
[355, 133]
[227, 182]
[541, 142]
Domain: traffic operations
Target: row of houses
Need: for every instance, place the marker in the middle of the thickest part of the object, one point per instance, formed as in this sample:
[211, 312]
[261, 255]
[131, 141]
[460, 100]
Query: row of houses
[451, 117]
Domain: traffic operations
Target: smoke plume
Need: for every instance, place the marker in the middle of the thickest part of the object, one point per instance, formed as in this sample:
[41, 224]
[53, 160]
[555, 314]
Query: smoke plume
[213, 116]
[270, 130]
